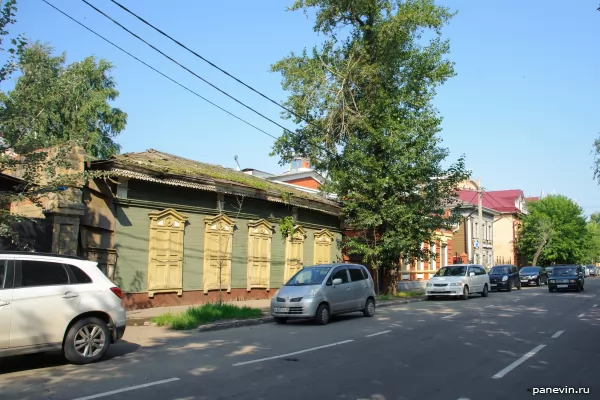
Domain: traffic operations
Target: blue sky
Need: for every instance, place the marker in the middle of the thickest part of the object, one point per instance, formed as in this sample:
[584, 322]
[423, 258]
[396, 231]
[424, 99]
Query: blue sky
[523, 108]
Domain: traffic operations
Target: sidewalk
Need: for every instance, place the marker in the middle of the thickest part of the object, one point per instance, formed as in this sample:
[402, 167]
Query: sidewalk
[139, 317]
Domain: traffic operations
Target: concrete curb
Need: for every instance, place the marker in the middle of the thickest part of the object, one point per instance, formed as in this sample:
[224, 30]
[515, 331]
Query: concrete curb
[264, 320]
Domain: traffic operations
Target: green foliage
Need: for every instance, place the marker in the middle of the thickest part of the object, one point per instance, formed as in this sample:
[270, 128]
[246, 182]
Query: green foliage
[53, 103]
[568, 240]
[193, 317]
[373, 129]
[286, 225]
[593, 239]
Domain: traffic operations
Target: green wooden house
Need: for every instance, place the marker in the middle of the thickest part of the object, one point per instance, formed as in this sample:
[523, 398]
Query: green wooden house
[170, 230]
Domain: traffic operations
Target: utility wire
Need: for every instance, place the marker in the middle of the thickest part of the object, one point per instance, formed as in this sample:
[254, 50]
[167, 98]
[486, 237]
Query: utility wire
[214, 65]
[159, 72]
[184, 67]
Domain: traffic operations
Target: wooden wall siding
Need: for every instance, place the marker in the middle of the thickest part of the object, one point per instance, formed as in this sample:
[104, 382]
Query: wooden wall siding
[218, 241]
[239, 260]
[132, 243]
[165, 259]
[278, 246]
[141, 190]
[258, 208]
[193, 252]
[260, 235]
[313, 217]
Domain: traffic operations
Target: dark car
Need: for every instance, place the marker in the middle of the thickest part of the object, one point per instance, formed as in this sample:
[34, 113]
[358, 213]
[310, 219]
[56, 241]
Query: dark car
[504, 277]
[566, 277]
[533, 276]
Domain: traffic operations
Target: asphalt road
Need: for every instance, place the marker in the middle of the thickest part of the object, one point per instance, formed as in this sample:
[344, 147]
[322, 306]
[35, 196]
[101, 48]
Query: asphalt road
[506, 346]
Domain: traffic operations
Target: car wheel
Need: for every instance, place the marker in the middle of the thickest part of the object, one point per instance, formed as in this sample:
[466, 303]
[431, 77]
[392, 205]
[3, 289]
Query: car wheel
[87, 341]
[582, 289]
[485, 291]
[465, 295]
[429, 297]
[322, 316]
[519, 285]
[509, 289]
[578, 288]
[537, 283]
[546, 282]
[280, 320]
[369, 309]
[550, 289]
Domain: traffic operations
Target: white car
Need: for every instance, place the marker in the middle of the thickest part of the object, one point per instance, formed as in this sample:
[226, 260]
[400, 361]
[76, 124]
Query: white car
[54, 302]
[459, 280]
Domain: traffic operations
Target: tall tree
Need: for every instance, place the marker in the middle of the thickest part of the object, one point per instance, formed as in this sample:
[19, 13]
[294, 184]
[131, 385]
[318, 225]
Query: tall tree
[593, 239]
[366, 93]
[560, 219]
[55, 102]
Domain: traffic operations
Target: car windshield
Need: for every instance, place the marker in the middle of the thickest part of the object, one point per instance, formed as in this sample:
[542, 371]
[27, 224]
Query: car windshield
[591, 268]
[564, 271]
[309, 276]
[451, 271]
[530, 270]
[500, 270]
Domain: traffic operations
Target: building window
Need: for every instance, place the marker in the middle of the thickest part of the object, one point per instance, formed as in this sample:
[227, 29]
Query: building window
[218, 238]
[294, 252]
[165, 258]
[323, 241]
[260, 234]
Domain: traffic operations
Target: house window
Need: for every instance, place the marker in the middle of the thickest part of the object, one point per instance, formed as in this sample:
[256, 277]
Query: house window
[165, 258]
[218, 239]
[260, 234]
[323, 241]
[294, 252]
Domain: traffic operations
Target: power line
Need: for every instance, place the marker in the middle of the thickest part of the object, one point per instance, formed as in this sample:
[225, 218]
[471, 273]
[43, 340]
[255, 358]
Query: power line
[184, 67]
[159, 72]
[214, 65]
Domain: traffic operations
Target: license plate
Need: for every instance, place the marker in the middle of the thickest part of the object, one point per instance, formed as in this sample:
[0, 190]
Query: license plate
[282, 309]
[493, 285]
[439, 290]
[523, 280]
[562, 286]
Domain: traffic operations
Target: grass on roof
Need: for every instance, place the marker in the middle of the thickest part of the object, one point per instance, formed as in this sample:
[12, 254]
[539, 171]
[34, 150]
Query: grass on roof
[191, 168]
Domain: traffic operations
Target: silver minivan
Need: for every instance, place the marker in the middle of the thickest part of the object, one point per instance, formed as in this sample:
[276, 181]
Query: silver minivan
[320, 291]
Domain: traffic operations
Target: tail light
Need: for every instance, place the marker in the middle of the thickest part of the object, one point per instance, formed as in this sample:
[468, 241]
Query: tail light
[117, 291]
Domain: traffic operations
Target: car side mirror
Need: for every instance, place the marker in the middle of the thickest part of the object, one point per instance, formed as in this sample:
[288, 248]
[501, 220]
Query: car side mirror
[471, 273]
[337, 281]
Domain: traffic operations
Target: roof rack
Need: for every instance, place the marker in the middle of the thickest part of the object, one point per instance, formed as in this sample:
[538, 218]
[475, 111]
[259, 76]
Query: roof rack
[16, 252]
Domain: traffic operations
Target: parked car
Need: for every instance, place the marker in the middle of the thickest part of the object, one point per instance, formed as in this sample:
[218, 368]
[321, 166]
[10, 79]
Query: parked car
[548, 271]
[320, 291]
[586, 271]
[593, 271]
[566, 277]
[533, 276]
[54, 302]
[459, 280]
[504, 277]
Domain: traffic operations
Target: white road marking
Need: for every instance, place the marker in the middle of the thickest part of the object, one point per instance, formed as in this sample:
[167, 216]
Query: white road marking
[557, 334]
[595, 305]
[378, 333]
[451, 315]
[464, 398]
[518, 362]
[581, 315]
[96, 396]
[291, 354]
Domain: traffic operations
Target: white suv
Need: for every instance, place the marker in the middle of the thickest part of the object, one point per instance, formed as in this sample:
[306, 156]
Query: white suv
[54, 302]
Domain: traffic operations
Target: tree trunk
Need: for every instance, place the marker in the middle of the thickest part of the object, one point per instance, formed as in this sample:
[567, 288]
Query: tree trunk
[538, 252]
[391, 281]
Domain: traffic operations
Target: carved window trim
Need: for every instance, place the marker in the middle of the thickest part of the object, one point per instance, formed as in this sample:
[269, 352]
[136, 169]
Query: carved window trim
[259, 229]
[170, 220]
[297, 236]
[221, 225]
[322, 238]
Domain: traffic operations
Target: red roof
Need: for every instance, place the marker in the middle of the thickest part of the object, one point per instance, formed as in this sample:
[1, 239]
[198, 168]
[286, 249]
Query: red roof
[532, 199]
[499, 200]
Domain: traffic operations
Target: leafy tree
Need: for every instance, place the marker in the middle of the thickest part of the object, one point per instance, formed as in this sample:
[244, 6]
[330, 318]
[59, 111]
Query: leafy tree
[593, 239]
[562, 221]
[56, 103]
[367, 93]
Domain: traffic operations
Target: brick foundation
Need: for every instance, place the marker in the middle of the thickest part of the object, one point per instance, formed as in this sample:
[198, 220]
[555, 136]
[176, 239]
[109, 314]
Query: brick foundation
[136, 301]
